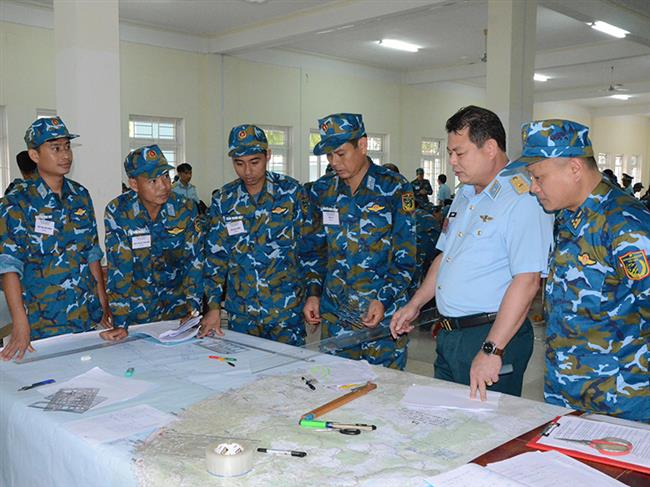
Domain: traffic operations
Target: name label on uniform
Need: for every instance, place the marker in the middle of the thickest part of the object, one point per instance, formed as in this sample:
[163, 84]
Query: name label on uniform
[331, 216]
[43, 226]
[141, 241]
[235, 227]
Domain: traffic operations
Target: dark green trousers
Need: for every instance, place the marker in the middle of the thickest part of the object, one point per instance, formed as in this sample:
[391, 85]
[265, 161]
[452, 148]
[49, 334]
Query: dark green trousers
[456, 349]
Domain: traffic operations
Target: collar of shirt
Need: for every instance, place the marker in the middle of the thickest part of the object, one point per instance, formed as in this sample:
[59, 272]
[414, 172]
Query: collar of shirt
[267, 188]
[368, 182]
[167, 209]
[573, 220]
[44, 191]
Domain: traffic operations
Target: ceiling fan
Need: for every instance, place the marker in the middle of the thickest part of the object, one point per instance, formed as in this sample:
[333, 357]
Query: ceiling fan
[614, 87]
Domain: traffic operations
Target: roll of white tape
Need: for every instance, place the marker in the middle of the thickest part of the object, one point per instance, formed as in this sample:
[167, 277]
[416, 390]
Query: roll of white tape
[229, 459]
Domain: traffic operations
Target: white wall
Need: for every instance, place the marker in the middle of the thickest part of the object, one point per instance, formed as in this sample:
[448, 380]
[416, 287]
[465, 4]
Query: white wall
[564, 110]
[628, 135]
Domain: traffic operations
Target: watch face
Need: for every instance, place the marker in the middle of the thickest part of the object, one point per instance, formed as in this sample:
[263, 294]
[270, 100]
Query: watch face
[488, 347]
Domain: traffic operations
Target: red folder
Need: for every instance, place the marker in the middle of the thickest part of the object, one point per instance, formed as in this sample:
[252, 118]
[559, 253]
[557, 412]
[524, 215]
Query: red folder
[610, 460]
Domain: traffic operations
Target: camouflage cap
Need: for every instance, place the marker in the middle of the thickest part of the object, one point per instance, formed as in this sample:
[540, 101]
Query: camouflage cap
[547, 139]
[337, 129]
[47, 128]
[146, 161]
[245, 140]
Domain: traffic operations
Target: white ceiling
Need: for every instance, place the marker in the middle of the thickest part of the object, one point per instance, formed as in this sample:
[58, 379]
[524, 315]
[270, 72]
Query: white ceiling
[577, 58]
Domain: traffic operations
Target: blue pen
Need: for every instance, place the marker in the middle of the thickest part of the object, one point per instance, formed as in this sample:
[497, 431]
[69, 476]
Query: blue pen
[37, 384]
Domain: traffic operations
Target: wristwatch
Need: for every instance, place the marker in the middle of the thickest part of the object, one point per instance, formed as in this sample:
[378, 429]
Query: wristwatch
[490, 348]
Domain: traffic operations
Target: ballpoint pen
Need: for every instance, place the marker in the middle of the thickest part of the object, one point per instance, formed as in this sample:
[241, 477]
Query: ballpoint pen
[37, 384]
[333, 425]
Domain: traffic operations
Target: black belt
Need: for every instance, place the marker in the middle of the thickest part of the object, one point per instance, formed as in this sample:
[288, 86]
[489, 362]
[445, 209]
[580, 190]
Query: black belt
[470, 321]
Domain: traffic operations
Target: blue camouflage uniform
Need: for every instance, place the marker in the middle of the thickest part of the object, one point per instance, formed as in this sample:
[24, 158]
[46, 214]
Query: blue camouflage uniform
[365, 247]
[427, 233]
[422, 200]
[487, 239]
[254, 249]
[598, 290]
[49, 241]
[154, 266]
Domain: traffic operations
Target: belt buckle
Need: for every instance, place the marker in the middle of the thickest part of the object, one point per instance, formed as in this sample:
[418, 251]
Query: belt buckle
[445, 324]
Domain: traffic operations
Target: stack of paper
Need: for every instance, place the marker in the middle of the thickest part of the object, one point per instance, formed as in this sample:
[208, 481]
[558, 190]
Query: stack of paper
[533, 469]
[432, 397]
[169, 331]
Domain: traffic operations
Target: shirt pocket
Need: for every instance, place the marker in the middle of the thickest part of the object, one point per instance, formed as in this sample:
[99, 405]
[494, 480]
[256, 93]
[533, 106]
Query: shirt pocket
[170, 266]
[375, 230]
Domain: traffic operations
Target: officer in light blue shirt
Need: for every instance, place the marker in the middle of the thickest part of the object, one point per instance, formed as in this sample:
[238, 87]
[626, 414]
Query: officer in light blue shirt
[183, 187]
[495, 243]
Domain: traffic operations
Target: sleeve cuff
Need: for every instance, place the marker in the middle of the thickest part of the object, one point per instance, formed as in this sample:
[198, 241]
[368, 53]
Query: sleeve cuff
[9, 263]
[95, 254]
[314, 290]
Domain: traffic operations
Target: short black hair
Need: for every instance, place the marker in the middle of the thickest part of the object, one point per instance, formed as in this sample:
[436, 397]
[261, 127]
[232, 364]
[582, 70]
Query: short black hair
[25, 164]
[442, 178]
[483, 125]
[185, 167]
[392, 167]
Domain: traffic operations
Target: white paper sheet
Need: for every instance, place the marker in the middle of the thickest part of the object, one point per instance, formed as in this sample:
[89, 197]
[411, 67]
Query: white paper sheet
[471, 475]
[114, 389]
[430, 397]
[551, 469]
[342, 376]
[119, 424]
[576, 428]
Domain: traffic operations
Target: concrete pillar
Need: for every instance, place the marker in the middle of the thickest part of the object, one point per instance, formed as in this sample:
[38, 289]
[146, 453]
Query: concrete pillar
[511, 65]
[87, 42]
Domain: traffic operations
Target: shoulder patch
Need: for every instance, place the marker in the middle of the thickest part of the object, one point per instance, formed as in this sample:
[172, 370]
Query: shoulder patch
[635, 265]
[408, 202]
[519, 185]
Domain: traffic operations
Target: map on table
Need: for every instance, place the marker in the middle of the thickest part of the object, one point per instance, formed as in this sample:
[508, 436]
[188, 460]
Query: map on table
[407, 447]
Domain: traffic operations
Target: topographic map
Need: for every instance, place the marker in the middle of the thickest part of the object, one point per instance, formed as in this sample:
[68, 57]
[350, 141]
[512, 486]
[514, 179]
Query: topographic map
[408, 445]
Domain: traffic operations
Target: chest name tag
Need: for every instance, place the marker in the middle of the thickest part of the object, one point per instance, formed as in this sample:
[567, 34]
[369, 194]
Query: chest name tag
[44, 227]
[235, 227]
[141, 241]
[331, 217]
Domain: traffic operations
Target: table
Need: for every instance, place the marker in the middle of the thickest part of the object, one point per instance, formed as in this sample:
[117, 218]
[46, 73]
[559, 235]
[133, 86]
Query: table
[213, 399]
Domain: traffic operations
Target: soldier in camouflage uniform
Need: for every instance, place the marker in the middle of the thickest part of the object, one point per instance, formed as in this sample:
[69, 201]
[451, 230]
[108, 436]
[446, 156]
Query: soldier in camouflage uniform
[421, 188]
[254, 245]
[49, 252]
[598, 288]
[363, 254]
[153, 246]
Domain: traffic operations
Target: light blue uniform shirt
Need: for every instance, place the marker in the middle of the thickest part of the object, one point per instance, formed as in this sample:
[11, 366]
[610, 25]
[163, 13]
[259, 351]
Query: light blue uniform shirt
[188, 191]
[487, 239]
[444, 193]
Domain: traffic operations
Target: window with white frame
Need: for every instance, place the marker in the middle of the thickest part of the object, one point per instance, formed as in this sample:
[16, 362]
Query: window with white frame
[167, 133]
[280, 144]
[378, 148]
[4, 151]
[431, 160]
[631, 165]
[317, 164]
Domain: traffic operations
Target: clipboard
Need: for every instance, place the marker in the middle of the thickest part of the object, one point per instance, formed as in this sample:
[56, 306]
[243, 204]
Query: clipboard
[607, 460]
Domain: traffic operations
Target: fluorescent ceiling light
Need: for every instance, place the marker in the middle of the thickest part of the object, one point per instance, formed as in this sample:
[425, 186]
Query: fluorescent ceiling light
[540, 77]
[401, 45]
[621, 97]
[612, 30]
